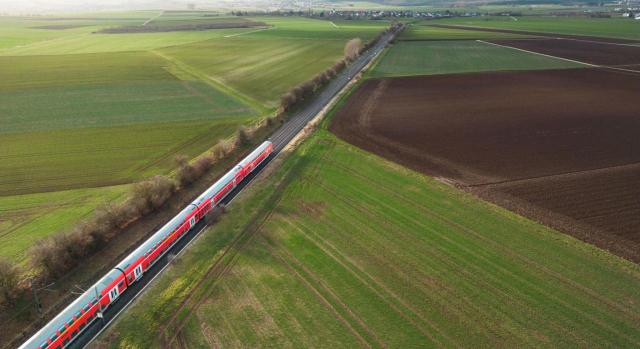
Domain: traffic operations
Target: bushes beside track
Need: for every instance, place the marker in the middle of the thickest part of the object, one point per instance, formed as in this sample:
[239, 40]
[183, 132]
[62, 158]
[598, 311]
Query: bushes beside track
[293, 98]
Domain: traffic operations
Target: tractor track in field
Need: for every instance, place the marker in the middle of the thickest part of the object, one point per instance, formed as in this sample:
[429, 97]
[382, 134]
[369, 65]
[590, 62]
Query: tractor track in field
[620, 307]
[503, 270]
[318, 295]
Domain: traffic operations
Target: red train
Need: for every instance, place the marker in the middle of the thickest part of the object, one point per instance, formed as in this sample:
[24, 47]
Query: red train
[60, 331]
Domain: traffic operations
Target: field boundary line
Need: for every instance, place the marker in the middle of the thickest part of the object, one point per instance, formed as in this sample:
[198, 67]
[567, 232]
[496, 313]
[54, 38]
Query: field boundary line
[597, 42]
[215, 83]
[554, 175]
[249, 32]
[153, 18]
[333, 24]
[538, 34]
[540, 54]
[561, 58]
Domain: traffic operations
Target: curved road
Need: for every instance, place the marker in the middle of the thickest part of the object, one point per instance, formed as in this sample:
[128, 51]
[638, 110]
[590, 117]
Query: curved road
[280, 139]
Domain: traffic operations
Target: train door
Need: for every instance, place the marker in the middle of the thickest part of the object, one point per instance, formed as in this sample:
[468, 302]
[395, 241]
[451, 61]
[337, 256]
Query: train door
[138, 271]
[192, 221]
[113, 294]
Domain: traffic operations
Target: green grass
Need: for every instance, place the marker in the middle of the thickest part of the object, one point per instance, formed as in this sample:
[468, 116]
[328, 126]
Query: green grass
[358, 250]
[88, 157]
[261, 67]
[606, 27]
[27, 218]
[66, 70]
[264, 64]
[423, 32]
[108, 105]
[445, 57]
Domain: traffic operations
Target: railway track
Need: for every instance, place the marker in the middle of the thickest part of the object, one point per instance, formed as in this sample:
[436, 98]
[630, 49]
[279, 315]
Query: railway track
[280, 138]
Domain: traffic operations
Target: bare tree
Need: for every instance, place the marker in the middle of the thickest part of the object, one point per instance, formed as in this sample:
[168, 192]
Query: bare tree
[352, 49]
[9, 280]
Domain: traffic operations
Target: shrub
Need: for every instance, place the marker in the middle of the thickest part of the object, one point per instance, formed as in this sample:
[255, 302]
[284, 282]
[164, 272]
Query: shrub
[9, 281]
[352, 49]
[244, 137]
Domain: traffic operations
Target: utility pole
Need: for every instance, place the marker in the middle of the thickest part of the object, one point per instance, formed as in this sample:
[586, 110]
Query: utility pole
[36, 299]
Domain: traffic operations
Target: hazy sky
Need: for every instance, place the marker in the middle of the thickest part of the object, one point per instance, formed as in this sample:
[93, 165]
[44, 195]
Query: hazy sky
[38, 6]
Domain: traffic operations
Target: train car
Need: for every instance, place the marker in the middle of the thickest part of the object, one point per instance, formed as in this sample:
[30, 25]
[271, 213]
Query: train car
[60, 331]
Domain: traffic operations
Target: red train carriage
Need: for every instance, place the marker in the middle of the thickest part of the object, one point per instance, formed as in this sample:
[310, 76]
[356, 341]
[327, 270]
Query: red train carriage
[60, 331]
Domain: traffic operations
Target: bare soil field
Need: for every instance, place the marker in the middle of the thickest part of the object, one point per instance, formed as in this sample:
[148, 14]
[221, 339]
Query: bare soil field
[559, 146]
[592, 52]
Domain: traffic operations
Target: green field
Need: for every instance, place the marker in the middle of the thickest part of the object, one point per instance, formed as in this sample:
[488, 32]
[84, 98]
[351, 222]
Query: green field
[80, 110]
[93, 157]
[424, 32]
[264, 64]
[24, 218]
[446, 57]
[607, 27]
[344, 249]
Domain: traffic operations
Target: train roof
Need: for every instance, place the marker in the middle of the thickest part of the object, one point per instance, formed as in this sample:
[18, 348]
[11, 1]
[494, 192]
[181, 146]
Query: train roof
[173, 224]
[254, 154]
[66, 316]
[217, 186]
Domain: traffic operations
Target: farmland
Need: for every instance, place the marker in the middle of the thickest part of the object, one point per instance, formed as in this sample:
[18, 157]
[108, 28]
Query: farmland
[410, 262]
[264, 64]
[484, 147]
[458, 56]
[86, 113]
[24, 218]
[426, 32]
[588, 52]
[604, 27]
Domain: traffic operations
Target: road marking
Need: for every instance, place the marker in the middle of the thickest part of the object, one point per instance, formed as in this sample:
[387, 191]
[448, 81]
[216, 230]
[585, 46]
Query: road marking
[249, 32]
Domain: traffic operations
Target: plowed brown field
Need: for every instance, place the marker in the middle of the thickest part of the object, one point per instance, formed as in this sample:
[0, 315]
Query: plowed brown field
[560, 146]
[592, 52]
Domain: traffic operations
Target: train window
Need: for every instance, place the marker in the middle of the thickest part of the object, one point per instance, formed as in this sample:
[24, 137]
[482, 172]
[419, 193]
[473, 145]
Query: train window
[78, 314]
[61, 329]
[74, 333]
[44, 345]
[82, 324]
[121, 284]
[54, 337]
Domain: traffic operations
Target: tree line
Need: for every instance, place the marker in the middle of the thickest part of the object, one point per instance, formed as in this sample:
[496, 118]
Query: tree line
[293, 98]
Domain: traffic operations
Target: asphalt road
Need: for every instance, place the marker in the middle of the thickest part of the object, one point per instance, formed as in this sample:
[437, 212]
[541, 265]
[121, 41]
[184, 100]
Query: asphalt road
[280, 139]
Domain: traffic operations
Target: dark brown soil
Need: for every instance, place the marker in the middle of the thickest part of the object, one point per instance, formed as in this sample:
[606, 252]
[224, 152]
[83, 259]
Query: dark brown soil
[582, 51]
[555, 145]
[533, 33]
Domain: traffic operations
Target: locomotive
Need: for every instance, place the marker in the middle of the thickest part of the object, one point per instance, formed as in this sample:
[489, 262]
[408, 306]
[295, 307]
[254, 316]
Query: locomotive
[69, 323]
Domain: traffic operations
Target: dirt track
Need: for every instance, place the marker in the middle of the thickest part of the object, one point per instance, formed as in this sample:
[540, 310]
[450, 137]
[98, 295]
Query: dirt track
[521, 139]
[583, 51]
